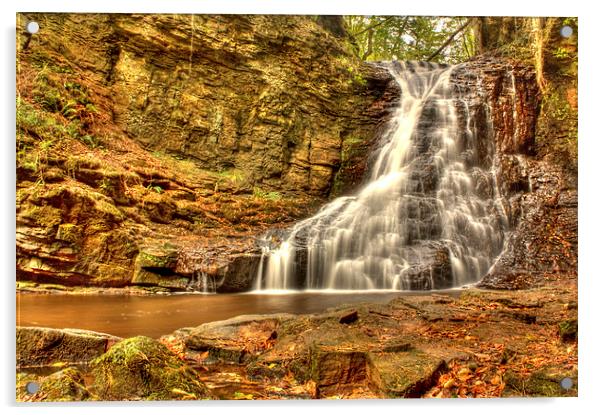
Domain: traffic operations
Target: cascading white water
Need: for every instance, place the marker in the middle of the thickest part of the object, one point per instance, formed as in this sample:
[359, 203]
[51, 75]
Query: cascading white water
[202, 282]
[419, 223]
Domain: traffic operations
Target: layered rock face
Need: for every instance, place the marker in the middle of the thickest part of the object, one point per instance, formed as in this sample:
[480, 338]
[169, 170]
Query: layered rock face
[153, 148]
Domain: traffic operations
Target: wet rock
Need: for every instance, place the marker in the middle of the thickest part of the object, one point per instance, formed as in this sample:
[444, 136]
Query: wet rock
[141, 368]
[239, 274]
[155, 265]
[404, 375]
[336, 370]
[235, 340]
[549, 213]
[349, 318]
[39, 346]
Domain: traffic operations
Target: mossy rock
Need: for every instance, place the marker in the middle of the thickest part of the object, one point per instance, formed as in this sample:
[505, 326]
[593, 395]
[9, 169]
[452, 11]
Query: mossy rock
[69, 232]
[141, 368]
[66, 385]
[23, 379]
[155, 266]
[567, 330]
[165, 256]
[543, 383]
[63, 386]
[40, 346]
[405, 374]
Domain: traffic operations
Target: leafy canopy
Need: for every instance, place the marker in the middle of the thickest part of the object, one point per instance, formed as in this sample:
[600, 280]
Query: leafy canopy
[412, 37]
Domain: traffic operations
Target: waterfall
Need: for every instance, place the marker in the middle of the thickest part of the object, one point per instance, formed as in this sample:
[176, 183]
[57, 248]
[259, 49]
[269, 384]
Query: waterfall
[428, 216]
[202, 282]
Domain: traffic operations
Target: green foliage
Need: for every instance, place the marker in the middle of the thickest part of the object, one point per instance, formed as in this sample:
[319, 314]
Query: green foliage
[49, 128]
[410, 37]
[155, 188]
[54, 110]
[561, 53]
[242, 396]
[106, 186]
[233, 175]
[258, 193]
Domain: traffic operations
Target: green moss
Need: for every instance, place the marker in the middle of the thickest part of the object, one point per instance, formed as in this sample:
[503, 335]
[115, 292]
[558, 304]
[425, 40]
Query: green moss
[66, 385]
[557, 125]
[43, 216]
[405, 374]
[143, 368]
[58, 109]
[69, 232]
[258, 193]
[350, 150]
[567, 330]
[543, 383]
[236, 176]
[158, 257]
[108, 209]
[22, 395]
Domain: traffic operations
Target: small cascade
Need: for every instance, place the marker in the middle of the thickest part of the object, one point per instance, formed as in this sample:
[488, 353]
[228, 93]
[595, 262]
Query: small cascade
[194, 263]
[428, 217]
[202, 282]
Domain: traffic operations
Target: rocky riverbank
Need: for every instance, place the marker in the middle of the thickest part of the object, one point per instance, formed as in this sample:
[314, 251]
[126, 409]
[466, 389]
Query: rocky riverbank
[479, 344]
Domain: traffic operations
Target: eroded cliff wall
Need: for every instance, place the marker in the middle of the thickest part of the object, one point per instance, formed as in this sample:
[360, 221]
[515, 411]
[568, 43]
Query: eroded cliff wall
[141, 137]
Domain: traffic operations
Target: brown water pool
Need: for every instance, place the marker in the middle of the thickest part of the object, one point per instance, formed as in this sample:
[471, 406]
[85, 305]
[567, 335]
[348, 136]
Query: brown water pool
[131, 315]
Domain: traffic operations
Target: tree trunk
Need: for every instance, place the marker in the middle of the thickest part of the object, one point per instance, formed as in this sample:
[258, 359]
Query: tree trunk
[333, 24]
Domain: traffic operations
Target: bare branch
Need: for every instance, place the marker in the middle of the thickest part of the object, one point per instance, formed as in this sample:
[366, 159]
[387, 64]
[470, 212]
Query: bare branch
[450, 39]
[373, 26]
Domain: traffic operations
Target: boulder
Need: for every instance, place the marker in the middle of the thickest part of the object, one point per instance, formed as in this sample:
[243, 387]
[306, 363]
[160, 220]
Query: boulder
[335, 369]
[545, 382]
[141, 368]
[235, 340]
[404, 374]
[40, 346]
[156, 265]
[65, 385]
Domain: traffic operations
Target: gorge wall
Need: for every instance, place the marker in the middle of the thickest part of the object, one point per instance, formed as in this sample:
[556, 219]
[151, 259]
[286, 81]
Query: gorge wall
[152, 150]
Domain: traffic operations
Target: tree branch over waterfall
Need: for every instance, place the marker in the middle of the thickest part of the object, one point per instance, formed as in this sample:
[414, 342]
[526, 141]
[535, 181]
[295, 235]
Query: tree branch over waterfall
[383, 38]
[449, 40]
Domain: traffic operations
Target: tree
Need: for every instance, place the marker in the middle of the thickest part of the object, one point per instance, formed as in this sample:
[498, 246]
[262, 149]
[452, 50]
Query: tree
[442, 39]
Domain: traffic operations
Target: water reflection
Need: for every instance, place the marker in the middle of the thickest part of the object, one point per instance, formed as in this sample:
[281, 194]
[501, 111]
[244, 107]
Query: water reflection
[130, 315]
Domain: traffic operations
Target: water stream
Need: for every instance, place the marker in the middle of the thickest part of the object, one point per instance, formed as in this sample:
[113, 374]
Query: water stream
[420, 222]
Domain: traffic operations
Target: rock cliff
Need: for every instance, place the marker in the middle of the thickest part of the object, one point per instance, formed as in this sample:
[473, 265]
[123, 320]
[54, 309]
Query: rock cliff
[151, 149]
